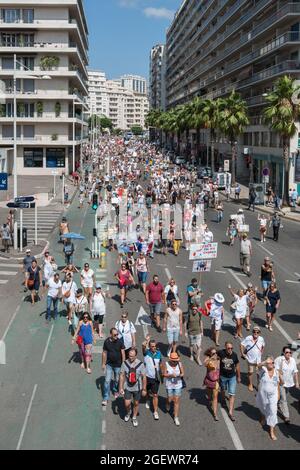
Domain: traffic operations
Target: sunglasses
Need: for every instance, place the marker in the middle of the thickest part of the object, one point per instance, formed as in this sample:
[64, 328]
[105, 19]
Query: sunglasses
[85, 317]
[287, 352]
[269, 363]
[229, 348]
[124, 316]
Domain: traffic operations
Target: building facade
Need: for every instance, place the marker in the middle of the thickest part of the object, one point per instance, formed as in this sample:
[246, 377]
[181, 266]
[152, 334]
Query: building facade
[45, 46]
[214, 47]
[157, 85]
[123, 106]
[134, 83]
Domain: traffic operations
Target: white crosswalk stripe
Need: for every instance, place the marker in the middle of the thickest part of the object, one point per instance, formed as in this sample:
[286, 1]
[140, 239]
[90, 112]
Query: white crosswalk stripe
[8, 270]
[47, 221]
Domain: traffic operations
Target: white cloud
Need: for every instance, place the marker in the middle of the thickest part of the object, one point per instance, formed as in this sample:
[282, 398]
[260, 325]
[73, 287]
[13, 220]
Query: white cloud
[152, 12]
[128, 3]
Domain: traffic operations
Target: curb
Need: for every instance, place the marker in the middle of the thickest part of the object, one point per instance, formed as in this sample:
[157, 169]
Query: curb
[17, 258]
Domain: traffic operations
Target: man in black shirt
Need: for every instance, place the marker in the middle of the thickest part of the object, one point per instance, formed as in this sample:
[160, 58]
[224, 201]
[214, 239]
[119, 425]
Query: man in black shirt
[112, 358]
[230, 374]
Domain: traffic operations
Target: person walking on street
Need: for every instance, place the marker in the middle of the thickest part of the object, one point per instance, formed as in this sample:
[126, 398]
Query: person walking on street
[112, 358]
[230, 375]
[6, 237]
[84, 337]
[171, 292]
[68, 251]
[34, 280]
[127, 332]
[263, 226]
[252, 199]
[152, 363]
[54, 287]
[27, 261]
[87, 280]
[125, 279]
[287, 368]
[142, 270]
[195, 332]
[81, 305]
[173, 320]
[252, 349]
[267, 275]
[155, 298]
[99, 308]
[272, 302]
[268, 394]
[211, 381]
[276, 223]
[173, 372]
[217, 316]
[69, 289]
[133, 385]
[245, 254]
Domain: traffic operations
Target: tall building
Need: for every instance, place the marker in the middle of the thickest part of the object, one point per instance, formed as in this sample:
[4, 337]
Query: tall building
[46, 43]
[134, 83]
[123, 106]
[214, 47]
[157, 86]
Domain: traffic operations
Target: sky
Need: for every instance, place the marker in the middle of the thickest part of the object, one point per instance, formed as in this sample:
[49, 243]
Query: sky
[122, 33]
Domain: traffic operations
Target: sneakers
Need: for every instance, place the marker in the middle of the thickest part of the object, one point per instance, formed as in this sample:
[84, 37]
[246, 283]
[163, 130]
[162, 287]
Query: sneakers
[156, 416]
[267, 326]
[148, 405]
[135, 422]
[192, 358]
[127, 418]
[104, 403]
[176, 421]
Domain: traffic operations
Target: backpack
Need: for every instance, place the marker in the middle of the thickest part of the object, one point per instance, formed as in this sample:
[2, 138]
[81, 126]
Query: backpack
[68, 249]
[131, 376]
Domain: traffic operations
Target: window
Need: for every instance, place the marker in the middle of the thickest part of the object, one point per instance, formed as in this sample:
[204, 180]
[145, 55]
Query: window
[8, 131]
[264, 139]
[28, 15]
[33, 158]
[28, 132]
[7, 63]
[55, 158]
[28, 86]
[10, 15]
[256, 139]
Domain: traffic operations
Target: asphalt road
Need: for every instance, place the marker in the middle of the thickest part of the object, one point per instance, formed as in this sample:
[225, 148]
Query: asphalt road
[49, 403]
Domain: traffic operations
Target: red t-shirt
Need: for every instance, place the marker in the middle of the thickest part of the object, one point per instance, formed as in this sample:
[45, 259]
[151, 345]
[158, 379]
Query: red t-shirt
[155, 291]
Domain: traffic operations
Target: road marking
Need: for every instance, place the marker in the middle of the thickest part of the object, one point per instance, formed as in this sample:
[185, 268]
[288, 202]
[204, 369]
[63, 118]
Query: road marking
[242, 274]
[297, 274]
[228, 319]
[168, 273]
[283, 332]
[7, 265]
[237, 279]
[104, 426]
[26, 418]
[296, 356]
[293, 282]
[47, 345]
[232, 431]
[3, 282]
[103, 447]
[11, 320]
[163, 265]
[265, 249]
[220, 272]
[182, 267]
[8, 273]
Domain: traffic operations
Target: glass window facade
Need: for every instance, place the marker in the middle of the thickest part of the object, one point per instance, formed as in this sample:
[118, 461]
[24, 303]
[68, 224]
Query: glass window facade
[33, 158]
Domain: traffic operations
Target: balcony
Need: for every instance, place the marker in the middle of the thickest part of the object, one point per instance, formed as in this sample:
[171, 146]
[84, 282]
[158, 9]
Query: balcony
[290, 66]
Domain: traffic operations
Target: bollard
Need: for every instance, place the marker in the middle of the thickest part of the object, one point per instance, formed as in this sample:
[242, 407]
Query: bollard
[103, 261]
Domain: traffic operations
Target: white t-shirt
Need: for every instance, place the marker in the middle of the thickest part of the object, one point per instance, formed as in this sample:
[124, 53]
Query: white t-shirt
[53, 288]
[288, 370]
[81, 304]
[241, 306]
[125, 331]
[48, 271]
[208, 237]
[87, 276]
[99, 307]
[72, 287]
[254, 355]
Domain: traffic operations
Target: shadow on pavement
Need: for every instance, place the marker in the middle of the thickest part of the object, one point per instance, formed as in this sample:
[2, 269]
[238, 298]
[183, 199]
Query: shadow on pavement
[291, 318]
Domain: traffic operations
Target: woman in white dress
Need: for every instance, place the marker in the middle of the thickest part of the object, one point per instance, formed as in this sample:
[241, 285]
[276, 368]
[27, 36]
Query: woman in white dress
[269, 394]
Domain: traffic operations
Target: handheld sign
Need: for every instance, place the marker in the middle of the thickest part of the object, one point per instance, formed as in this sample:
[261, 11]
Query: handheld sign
[243, 228]
[203, 266]
[205, 251]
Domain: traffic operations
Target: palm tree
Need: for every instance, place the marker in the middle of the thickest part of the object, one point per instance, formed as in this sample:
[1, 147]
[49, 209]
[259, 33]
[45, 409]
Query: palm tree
[233, 118]
[281, 114]
[153, 119]
[210, 118]
[197, 118]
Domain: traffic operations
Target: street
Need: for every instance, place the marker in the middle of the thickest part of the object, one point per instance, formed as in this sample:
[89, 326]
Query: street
[50, 403]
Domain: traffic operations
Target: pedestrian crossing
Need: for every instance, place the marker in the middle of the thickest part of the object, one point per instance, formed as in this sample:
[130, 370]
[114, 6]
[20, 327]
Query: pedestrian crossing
[47, 220]
[8, 270]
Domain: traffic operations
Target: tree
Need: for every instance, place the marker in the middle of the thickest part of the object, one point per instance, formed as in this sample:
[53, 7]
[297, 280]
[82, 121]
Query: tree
[105, 123]
[137, 130]
[197, 118]
[281, 114]
[232, 119]
[210, 118]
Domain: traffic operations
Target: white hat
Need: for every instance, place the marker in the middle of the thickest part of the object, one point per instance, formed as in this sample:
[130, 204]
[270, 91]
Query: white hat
[219, 298]
[240, 211]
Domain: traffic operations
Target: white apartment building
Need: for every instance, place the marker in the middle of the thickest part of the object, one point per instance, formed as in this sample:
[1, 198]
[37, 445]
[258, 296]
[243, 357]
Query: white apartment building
[157, 86]
[45, 43]
[109, 98]
[214, 47]
[134, 83]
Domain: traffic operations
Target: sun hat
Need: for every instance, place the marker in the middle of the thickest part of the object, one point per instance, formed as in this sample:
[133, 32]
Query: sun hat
[28, 250]
[219, 298]
[256, 328]
[174, 357]
[240, 211]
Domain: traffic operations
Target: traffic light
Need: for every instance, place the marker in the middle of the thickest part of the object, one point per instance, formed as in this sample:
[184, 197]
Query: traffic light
[95, 202]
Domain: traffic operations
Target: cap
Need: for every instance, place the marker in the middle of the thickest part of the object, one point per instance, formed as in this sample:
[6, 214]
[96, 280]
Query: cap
[98, 285]
[250, 285]
[28, 250]
[174, 357]
[240, 211]
[267, 258]
[219, 298]
[256, 328]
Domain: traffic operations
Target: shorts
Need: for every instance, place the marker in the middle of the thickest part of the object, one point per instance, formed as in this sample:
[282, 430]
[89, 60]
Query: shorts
[240, 315]
[87, 285]
[99, 318]
[252, 368]
[136, 396]
[152, 386]
[173, 335]
[228, 384]
[245, 260]
[195, 340]
[164, 242]
[217, 323]
[265, 284]
[142, 277]
[155, 309]
[174, 392]
[123, 286]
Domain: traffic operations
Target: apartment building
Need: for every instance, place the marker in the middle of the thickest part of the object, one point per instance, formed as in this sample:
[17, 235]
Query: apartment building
[123, 106]
[45, 46]
[134, 83]
[157, 86]
[214, 47]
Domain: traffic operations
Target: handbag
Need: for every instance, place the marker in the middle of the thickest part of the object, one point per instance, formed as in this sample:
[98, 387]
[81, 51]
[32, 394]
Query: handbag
[79, 340]
[30, 283]
[68, 293]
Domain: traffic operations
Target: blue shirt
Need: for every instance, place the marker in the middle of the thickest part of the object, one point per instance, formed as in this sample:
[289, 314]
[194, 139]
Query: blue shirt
[149, 365]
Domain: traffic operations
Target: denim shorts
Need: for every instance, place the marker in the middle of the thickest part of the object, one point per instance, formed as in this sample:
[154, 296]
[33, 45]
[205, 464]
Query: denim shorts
[142, 277]
[155, 309]
[173, 336]
[265, 284]
[228, 384]
[174, 392]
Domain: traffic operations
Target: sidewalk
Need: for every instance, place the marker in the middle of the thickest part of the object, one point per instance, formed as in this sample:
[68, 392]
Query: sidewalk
[289, 213]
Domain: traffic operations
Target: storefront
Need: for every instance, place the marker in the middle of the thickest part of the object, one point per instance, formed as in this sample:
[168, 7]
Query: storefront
[276, 170]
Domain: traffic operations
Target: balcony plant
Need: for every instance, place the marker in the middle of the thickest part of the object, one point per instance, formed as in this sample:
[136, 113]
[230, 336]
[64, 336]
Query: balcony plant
[21, 109]
[54, 137]
[57, 109]
[39, 108]
[49, 62]
[2, 110]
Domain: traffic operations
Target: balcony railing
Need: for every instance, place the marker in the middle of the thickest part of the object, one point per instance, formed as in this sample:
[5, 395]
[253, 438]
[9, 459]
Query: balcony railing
[288, 65]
